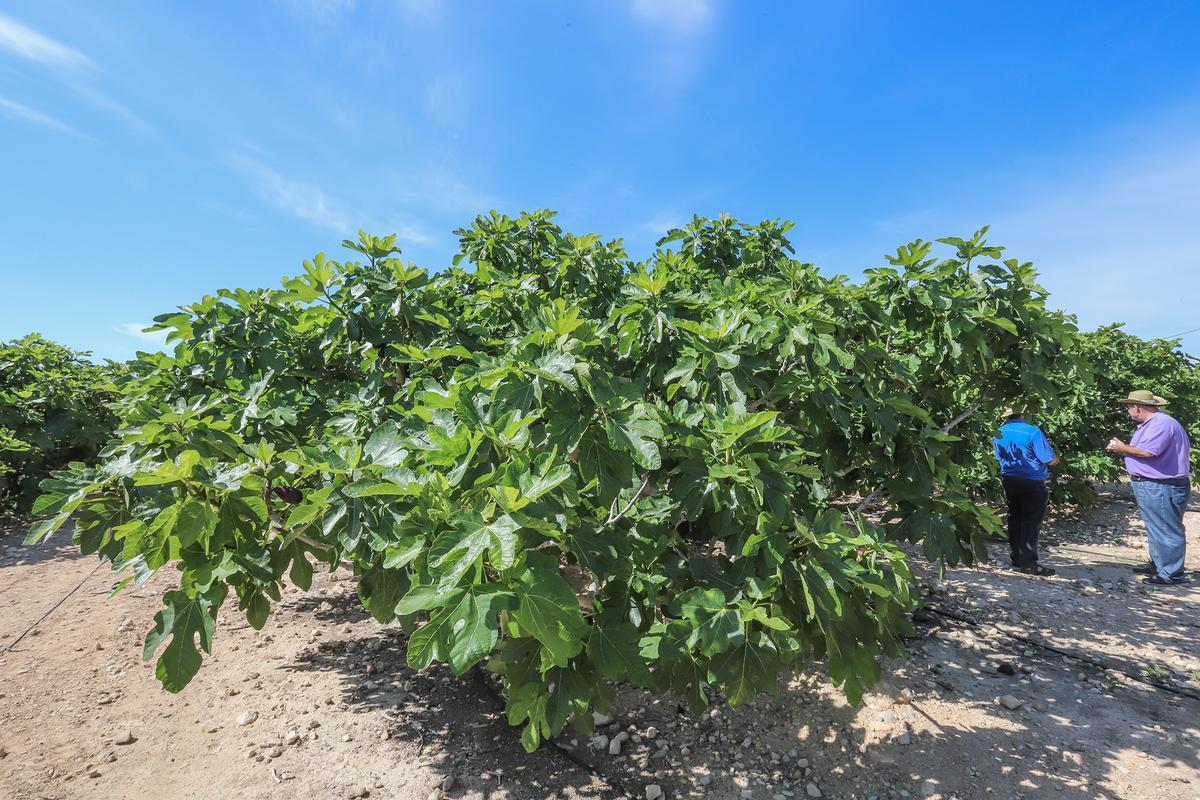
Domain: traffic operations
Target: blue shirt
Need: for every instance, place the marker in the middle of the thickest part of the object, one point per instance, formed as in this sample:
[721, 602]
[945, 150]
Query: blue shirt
[1023, 451]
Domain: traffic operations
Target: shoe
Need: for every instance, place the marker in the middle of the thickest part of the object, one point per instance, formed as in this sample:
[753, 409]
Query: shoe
[1037, 569]
[1156, 580]
[1146, 569]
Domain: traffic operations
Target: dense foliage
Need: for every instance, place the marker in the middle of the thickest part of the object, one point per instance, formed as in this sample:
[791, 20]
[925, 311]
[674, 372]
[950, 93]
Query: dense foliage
[578, 468]
[53, 410]
[1104, 365]
[1096, 369]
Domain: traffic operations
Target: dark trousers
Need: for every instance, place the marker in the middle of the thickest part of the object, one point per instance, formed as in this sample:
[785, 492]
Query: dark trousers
[1026, 506]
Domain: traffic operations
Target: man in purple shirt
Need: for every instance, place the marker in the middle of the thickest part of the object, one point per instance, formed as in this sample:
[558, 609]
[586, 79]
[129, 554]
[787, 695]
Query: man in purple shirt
[1158, 461]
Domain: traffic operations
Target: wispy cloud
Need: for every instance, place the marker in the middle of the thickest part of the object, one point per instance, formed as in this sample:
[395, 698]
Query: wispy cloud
[678, 29]
[679, 17]
[408, 233]
[102, 101]
[1118, 242]
[71, 67]
[135, 329]
[311, 203]
[330, 11]
[31, 45]
[321, 10]
[303, 200]
[14, 109]
[446, 101]
[1111, 228]
[443, 190]
[427, 10]
[659, 224]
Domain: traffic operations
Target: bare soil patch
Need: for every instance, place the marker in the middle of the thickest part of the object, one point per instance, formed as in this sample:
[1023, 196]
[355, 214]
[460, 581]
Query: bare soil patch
[1083, 685]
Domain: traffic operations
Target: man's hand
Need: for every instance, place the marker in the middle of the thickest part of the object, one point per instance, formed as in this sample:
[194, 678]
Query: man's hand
[1115, 445]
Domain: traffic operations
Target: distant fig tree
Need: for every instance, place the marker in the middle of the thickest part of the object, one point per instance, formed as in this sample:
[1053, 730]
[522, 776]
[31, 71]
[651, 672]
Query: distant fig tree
[54, 409]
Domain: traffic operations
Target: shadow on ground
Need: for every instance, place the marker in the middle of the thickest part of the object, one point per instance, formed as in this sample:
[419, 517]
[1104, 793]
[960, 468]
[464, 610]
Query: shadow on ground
[454, 724]
[13, 553]
[1066, 740]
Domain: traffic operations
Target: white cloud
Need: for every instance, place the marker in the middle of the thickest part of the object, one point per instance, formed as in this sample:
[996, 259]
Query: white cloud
[680, 17]
[322, 10]
[329, 11]
[446, 101]
[676, 34]
[134, 329]
[309, 202]
[440, 189]
[73, 68]
[659, 224]
[303, 200]
[24, 112]
[407, 233]
[428, 10]
[27, 43]
[1112, 228]
[101, 100]
[1119, 242]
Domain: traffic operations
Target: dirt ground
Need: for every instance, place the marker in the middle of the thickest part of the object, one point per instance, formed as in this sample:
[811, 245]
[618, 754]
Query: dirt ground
[1084, 685]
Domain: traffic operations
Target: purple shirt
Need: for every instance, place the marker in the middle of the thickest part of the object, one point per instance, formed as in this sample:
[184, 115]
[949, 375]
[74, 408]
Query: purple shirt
[1168, 441]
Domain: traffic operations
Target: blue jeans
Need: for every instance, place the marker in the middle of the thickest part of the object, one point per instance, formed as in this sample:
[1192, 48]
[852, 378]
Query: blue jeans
[1161, 507]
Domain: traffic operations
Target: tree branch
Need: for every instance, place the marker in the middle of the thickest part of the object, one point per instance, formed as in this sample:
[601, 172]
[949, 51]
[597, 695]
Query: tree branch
[335, 303]
[949, 426]
[614, 517]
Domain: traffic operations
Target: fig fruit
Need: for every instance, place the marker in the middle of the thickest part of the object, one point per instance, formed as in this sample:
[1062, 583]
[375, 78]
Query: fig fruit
[288, 494]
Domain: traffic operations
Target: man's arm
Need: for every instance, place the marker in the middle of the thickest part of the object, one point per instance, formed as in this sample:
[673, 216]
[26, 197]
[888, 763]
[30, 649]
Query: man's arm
[1115, 445]
[1044, 451]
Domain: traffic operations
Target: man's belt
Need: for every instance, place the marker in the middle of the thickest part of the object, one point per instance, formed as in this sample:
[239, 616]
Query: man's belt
[1182, 482]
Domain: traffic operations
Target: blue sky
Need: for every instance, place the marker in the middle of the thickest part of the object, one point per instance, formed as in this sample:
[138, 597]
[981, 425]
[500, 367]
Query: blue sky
[153, 152]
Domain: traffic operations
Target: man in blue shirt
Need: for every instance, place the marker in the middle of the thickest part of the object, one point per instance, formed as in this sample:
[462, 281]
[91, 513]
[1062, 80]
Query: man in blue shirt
[1025, 457]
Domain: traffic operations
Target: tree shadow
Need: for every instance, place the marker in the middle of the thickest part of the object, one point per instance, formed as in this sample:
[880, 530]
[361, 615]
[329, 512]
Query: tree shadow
[13, 553]
[1112, 521]
[1096, 606]
[1074, 728]
[454, 725]
[932, 724]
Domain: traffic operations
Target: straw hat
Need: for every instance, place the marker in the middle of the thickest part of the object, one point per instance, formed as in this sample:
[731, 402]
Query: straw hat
[1142, 397]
